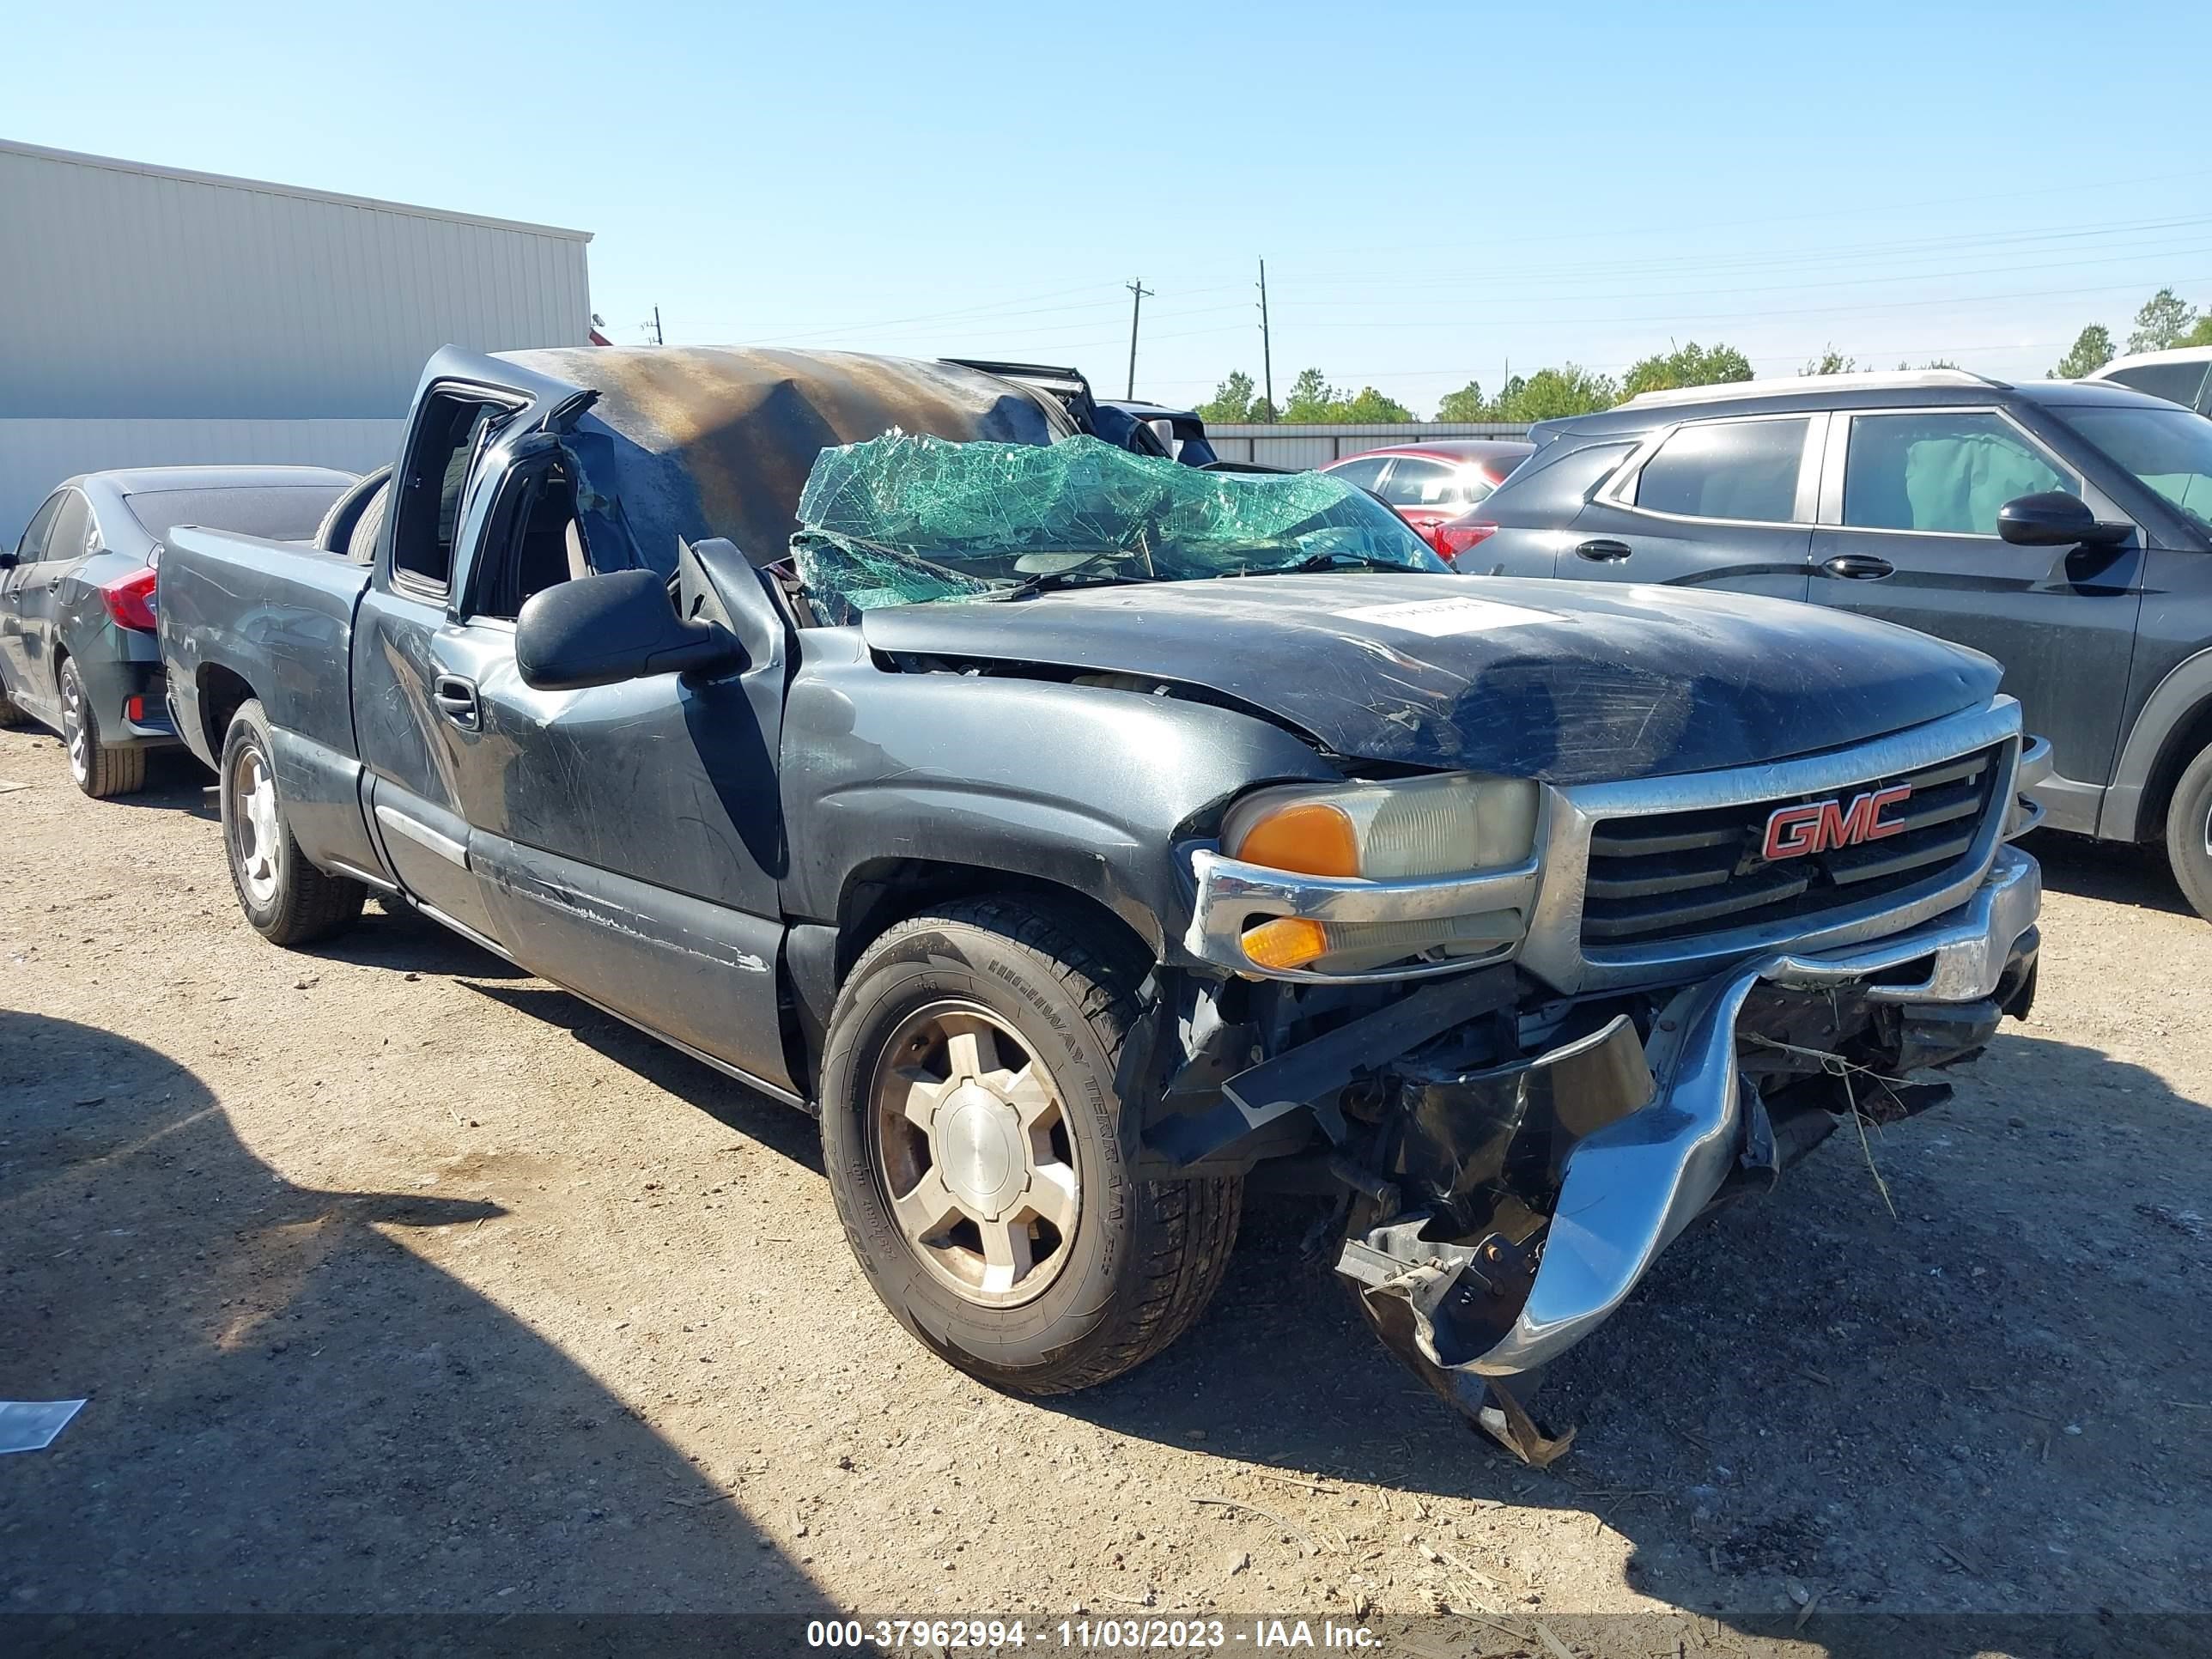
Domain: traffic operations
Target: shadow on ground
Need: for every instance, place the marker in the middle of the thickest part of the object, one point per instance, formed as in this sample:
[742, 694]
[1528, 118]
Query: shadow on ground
[289, 1409]
[1970, 1407]
[2117, 872]
[781, 1128]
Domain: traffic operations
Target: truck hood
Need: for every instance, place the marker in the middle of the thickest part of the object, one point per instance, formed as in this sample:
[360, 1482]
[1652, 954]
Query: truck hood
[1567, 682]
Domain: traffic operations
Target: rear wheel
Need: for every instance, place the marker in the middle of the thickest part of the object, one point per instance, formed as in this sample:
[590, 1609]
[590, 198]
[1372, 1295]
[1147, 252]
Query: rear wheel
[2189, 833]
[287, 900]
[100, 770]
[981, 1161]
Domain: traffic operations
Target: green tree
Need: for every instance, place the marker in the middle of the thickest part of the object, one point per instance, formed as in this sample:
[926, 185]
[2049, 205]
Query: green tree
[1467, 403]
[1371, 408]
[1689, 365]
[2163, 321]
[1830, 361]
[2091, 351]
[2200, 335]
[1311, 399]
[1549, 394]
[1232, 402]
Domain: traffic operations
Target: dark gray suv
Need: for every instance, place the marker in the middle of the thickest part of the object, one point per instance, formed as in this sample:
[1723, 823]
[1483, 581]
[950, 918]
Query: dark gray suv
[2063, 527]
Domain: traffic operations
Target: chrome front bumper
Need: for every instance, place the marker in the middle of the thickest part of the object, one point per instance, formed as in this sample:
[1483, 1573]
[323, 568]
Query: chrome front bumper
[1631, 1187]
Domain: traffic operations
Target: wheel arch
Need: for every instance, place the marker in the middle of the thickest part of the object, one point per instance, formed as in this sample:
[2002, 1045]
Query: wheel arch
[222, 691]
[879, 893]
[2174, 725]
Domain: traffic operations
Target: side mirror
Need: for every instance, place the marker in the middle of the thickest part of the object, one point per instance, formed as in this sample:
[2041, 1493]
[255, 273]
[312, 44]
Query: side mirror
[8, 561]
[2054, 519]
[600, 630]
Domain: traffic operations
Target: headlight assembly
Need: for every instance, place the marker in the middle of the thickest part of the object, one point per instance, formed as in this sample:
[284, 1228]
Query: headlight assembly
[1402, 836]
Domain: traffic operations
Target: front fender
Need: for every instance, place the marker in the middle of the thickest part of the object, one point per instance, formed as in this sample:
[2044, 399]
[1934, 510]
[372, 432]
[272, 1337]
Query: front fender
[1081, 787]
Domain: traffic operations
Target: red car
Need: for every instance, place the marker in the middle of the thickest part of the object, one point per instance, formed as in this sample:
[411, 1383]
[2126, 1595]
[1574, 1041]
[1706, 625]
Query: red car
[1435, 486]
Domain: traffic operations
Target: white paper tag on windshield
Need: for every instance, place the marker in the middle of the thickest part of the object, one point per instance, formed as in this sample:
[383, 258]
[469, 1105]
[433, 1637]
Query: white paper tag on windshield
[1438, 617]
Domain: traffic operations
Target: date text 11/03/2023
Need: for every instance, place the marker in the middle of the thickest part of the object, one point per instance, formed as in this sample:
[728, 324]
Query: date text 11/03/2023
[1090, 1635]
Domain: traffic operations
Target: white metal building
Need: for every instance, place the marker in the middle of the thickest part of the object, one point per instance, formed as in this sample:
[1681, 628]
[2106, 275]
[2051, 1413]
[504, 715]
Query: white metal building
[150, 316]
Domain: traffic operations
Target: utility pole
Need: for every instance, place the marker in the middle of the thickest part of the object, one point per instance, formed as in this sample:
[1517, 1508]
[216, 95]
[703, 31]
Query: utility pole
[657, 339]
[1138, 294]
[1266, 344]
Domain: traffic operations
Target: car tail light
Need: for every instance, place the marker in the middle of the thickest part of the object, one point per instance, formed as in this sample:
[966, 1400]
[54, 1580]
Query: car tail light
[1453, 539]
[129, 602]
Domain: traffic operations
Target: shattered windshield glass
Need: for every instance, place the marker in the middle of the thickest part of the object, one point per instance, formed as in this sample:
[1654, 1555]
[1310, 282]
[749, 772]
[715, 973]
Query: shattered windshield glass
[908, 519]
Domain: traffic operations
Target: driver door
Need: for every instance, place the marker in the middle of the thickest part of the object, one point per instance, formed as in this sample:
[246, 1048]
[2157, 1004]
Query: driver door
[626, 840]
[1908, 527]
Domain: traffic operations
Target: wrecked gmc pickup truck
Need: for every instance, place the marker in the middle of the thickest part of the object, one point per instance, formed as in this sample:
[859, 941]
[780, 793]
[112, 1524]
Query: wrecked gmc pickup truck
[1078, 834]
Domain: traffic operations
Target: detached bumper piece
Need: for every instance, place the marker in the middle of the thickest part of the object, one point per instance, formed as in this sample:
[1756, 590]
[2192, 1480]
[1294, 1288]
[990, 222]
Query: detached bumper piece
[1635, 1140]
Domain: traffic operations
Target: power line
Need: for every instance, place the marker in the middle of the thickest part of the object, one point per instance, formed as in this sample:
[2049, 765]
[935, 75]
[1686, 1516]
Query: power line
[1886, 251]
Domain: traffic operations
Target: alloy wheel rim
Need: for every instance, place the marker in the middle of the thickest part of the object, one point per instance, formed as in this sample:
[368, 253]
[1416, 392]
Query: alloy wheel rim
[74, 736]
[974, 1150]
[255, 835]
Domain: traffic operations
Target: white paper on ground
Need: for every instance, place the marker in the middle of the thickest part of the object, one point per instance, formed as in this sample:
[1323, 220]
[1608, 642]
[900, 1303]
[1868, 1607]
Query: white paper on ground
[32, 1424]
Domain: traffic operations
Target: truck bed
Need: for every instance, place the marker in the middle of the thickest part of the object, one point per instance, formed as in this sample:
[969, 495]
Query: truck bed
[272, 616]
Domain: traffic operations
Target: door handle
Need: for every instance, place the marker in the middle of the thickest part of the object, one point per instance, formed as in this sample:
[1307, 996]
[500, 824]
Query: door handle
[1603, 552]
[1858, 567]
[457, 700]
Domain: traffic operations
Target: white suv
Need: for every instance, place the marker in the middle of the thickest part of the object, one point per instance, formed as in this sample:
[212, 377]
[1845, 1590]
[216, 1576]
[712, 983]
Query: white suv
[2178, 376]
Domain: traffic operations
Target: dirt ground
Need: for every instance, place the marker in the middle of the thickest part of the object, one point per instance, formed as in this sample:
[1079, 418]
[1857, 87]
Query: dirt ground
[399, 1281]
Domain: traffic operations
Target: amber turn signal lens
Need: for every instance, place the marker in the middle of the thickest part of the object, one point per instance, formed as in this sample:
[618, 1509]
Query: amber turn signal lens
[1312, 838]
[1285, 942]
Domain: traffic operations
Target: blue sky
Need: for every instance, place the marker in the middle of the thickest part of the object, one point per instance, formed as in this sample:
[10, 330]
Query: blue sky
[1438, 189]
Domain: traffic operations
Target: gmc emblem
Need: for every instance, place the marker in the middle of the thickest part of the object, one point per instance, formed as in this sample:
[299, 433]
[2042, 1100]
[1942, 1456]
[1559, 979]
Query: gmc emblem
[1796, 832]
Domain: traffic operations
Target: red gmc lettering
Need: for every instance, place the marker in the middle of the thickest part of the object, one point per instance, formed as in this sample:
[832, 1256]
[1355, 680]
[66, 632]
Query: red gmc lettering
[1795, 832]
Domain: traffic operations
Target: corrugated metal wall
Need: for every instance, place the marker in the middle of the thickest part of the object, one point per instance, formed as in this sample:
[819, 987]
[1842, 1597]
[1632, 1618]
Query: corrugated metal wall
[36, 455]
[149, 316]
[1299, 446]
[135, 293]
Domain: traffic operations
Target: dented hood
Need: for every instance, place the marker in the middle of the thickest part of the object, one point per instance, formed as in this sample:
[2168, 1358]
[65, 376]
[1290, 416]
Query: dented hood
[1568, 681]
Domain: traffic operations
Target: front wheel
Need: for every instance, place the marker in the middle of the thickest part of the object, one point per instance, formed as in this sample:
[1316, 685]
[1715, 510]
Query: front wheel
[100, 769]
[2189, 833]
[982, 1163]
[287, 900]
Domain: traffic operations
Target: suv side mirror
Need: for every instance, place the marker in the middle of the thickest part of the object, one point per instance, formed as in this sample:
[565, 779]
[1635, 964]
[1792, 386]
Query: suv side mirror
[8, 561]
[2054, 519]
[600, 630]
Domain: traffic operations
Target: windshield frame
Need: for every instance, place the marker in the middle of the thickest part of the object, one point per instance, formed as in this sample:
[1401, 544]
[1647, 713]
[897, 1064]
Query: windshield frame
[2089, 423]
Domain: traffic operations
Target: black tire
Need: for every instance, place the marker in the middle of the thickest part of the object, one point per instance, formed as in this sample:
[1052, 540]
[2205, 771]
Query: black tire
[287, 900]
[1143, 1259]
[10, 715]
[2189, 833]
[360, 540]
[100, 769]
[334, 533]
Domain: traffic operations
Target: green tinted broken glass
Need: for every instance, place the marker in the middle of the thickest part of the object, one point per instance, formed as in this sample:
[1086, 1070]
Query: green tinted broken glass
[904, 520]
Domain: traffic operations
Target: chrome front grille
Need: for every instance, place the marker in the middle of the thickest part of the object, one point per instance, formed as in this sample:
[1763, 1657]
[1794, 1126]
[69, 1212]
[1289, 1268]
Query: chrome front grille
[1670, 877]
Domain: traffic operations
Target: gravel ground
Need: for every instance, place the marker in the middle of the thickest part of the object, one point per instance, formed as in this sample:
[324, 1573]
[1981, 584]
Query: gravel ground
[399, 1281]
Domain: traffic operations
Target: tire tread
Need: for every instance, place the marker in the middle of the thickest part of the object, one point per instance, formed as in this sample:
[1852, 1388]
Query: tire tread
[111, 771]
[2185, 818]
